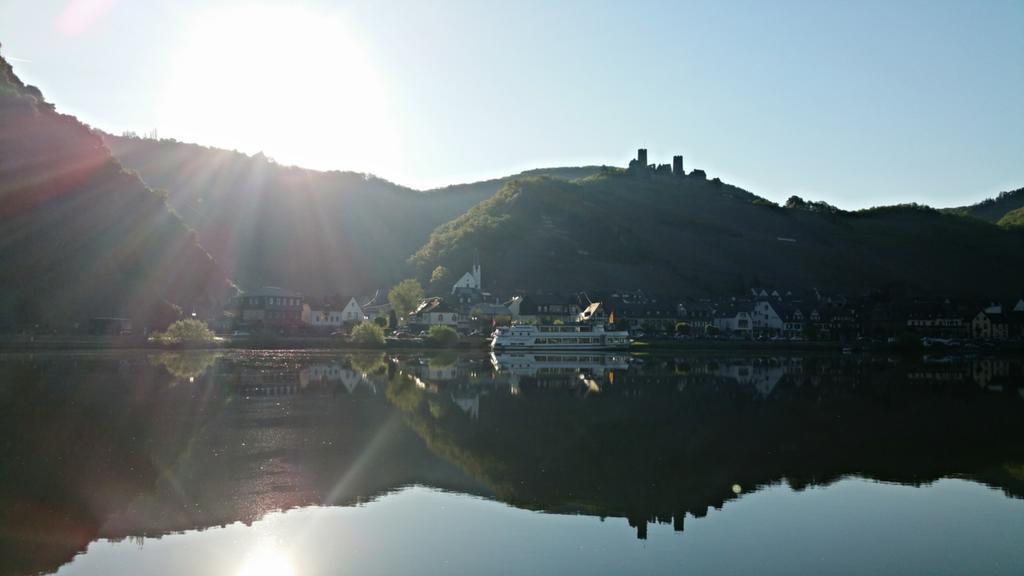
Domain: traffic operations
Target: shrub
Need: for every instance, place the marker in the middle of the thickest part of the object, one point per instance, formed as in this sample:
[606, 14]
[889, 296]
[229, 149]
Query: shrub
[368, 334]
[442, 336]
[187, 331]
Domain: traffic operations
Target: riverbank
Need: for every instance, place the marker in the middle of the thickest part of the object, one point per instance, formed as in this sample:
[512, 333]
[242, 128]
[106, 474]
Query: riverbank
[85, 342]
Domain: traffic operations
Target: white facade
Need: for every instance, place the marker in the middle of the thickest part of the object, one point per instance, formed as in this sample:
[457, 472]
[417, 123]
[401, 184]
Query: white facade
[764, 317]
[318, 317]
[740, 322]
[470, 280]
[352, 312]
[439, 318]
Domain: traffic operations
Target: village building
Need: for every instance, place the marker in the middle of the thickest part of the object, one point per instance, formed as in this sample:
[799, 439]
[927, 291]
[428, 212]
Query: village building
[434, 312]
[269, 307]
[325, 314]
[543, 308]
[648, 316]
[990, 324]
[734, 319]
[765, 319]
[937, 320]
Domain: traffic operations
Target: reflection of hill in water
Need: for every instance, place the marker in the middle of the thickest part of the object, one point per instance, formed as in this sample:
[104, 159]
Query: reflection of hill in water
[121, 445]
[674, 436]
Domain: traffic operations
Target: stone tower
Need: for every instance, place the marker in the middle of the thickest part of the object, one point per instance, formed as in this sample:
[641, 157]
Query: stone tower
[677, 166]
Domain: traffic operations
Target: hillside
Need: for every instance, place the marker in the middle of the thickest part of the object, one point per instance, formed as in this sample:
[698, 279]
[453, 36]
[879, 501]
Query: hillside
[994, 209]
[320, 233]
[81, 237]
[693, 236]
[1013, 219]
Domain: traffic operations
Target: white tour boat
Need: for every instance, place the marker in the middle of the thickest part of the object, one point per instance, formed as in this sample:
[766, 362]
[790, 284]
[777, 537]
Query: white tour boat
[566, 337]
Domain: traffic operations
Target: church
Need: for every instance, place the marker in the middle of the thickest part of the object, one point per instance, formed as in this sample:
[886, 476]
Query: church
[469, 288]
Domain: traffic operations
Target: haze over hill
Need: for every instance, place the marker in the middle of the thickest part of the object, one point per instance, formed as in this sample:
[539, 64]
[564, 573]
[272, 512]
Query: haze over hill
[320, 233]
[82, 237]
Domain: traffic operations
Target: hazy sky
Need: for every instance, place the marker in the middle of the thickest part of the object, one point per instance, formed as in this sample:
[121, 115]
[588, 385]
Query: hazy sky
[855, 103]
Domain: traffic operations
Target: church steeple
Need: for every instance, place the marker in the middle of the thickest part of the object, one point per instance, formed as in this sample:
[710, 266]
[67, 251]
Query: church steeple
[476, 271]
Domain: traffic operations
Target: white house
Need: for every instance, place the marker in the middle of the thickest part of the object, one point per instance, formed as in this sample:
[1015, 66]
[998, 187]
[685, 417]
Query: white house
[734, 321]
[353, 312]
[322, 315]
[765, 318]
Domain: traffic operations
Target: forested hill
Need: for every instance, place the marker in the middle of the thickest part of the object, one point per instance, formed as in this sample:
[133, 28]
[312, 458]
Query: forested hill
[320, 233]
[994, 209]
[80, 236]
[694, 236]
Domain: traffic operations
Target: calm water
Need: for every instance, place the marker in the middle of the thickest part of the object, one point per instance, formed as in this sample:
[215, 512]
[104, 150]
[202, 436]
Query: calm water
[328, 463]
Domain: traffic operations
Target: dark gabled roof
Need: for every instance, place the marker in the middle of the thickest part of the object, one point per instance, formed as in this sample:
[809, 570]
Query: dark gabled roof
[731, 309]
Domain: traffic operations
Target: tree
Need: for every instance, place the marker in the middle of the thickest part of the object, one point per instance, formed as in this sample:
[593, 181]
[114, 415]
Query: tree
[405, 296]
[442, 336]
[188, 331]
[439, 277]
[381, 321]
[368, 334]
[795, 202]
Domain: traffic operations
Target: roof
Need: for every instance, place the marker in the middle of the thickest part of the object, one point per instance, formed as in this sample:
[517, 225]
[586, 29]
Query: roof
[432, 305]
[590, 311]
[273, 291]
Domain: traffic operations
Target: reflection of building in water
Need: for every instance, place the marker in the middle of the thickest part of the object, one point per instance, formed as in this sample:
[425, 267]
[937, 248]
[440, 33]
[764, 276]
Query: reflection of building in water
[336, 374]
[468, 402]
[763, 378]
[309, 378]
[992, 373]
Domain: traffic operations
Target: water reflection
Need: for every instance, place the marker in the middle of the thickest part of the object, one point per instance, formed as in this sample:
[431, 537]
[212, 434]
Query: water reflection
[118, 446]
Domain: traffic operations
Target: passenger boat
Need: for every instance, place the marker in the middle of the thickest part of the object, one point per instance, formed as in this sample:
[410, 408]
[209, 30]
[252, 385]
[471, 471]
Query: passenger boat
[566, 337]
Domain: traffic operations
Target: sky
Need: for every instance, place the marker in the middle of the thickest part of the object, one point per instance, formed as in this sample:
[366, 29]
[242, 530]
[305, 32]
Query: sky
[854, 103]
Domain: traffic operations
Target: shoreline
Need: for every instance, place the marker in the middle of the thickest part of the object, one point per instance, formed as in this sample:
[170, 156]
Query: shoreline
[56, 343]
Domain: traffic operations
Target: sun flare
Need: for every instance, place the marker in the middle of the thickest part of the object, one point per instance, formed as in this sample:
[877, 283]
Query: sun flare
[288, 81]
[267, 561]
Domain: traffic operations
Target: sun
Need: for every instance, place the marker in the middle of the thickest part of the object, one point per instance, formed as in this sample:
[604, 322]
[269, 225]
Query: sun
[289, 81]
[267, 561]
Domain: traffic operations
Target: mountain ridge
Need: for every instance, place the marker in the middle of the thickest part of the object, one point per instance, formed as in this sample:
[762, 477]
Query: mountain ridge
[81, 236]
[698, 237]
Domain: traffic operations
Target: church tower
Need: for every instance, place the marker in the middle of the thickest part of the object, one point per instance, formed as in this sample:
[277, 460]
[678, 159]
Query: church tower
[476, 271]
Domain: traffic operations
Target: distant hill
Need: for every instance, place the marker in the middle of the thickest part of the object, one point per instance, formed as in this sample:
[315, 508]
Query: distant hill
[321, 233]
[994, 209]
[82, 237]
[694, 236]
